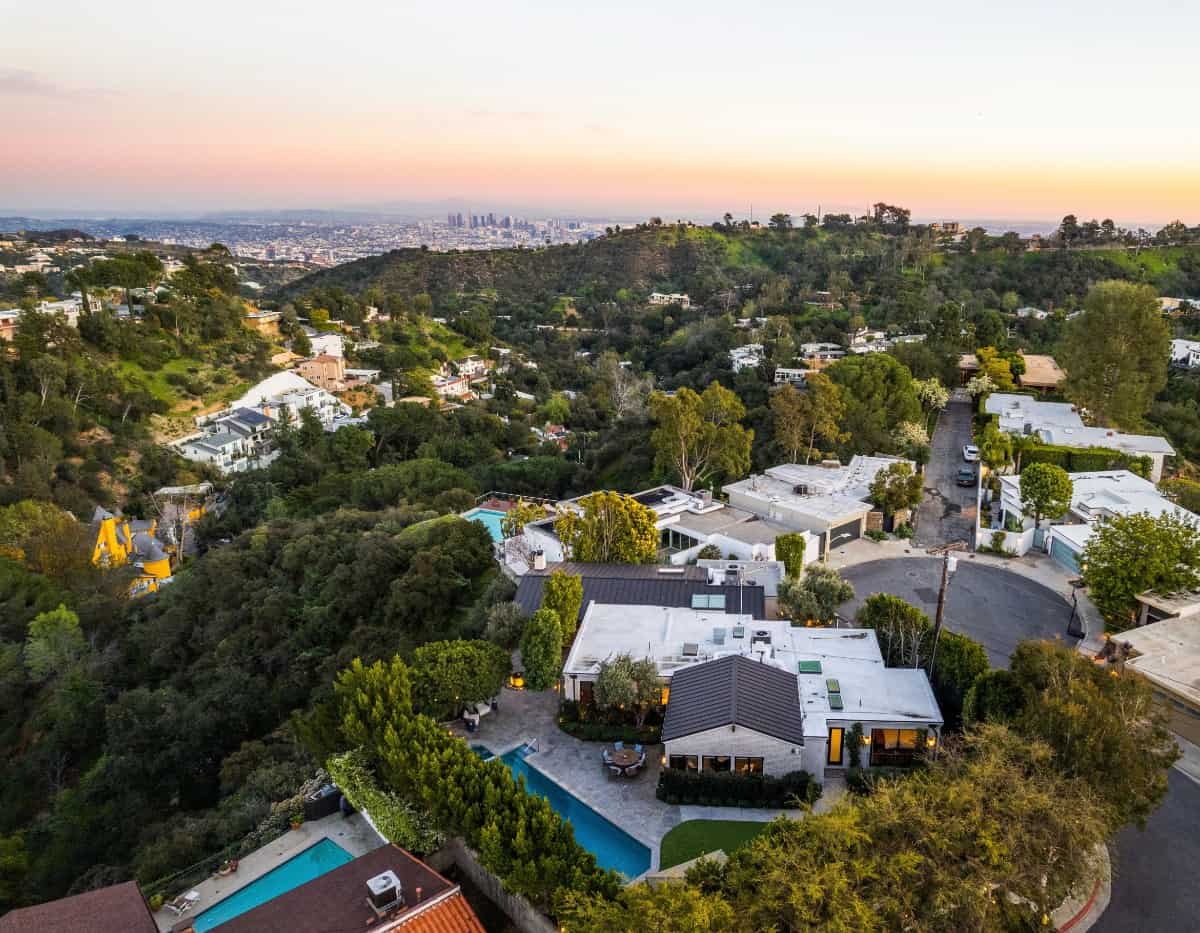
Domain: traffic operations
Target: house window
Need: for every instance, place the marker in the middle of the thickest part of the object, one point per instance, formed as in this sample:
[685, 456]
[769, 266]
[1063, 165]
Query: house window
[684, 762]
[717, 762]
[748, 765]
[893, 746]
[836, 739]
[664, 694]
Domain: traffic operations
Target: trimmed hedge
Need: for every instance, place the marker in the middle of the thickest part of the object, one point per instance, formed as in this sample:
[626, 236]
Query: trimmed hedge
[1086, 459]
[729, 789]
[606, 732]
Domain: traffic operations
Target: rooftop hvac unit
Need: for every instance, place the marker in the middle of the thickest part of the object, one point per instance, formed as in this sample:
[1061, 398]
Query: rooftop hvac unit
[705, 497]
[539, 560]
[383, 891]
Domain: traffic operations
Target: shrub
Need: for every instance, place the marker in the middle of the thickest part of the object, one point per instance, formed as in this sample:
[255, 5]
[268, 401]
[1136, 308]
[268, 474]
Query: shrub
[904, 531]
[729, 789]
[709, 552]
[875, 535]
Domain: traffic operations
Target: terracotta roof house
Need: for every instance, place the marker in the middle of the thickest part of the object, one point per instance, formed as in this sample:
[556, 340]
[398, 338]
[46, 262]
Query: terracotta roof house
[119, 908]
[384, 890]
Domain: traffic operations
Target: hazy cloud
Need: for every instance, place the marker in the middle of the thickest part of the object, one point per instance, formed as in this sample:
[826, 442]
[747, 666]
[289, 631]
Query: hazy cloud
[17, 82]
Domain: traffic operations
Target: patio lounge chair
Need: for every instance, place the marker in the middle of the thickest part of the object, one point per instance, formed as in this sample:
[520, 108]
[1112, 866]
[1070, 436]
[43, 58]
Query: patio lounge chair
[633, 769]
[614, 771]
[605, 756]
[183, 903]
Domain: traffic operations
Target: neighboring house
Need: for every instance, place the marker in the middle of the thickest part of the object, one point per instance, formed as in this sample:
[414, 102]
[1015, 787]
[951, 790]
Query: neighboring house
[1038, 314]
[473, 367]
[650, 585]
[292, 392]
[778, 697]
[820, 354]
[1184, 353]
[751, 356]
[1095, 496]
[1059, 423]
[228, 452]
[796, 377]
[233, 440]
[328, 345]
[452, 386]
[119, 908]
[828, 499]
[386, 889]
[1167, 653]
[671, 298]
[70, 308]
[8, 323]
[121, 542]
[265, 322]
[326, 371]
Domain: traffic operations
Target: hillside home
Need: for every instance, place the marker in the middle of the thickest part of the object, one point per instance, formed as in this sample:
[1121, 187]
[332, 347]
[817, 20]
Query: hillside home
[1185, 353]
[1095, 496]
[292, 393]
[670, 298]
[9, 318]
[751, 356]
[828, 500]
[1059, 423]
[385, 890]
[118, 908]
[326, 371]
[452, 386]
[761, 696]
[327, 345]
[473, 367]
[121, 541]
[797, 377]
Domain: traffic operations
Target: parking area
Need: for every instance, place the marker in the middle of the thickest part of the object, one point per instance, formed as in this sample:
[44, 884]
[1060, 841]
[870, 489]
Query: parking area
[947, 512]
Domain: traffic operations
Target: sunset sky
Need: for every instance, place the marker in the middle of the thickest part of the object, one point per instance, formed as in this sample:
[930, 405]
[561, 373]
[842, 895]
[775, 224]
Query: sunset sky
[1023, 110]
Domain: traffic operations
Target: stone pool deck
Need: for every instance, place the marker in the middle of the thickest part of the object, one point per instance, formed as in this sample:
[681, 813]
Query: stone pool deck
[351, 833]
[630, 803]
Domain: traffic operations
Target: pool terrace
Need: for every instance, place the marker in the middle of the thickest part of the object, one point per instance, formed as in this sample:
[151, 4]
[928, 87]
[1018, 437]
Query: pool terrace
[352, 834]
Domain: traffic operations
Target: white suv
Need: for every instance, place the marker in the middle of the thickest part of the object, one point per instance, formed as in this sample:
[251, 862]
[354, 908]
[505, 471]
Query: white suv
[971, 453]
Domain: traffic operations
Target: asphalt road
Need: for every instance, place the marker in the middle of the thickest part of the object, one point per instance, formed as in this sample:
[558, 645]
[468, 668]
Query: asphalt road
[947, 512]
[1154, 871]
[996, 607]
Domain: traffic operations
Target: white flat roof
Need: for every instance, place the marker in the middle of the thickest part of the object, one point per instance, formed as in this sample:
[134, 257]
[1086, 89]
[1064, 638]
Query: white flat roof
[871, 692]
[1059, 423]
[1120, 492]
[1169, 655]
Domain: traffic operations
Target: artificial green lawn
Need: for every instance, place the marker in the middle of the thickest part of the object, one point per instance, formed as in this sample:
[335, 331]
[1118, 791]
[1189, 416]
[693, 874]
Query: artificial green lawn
[696, 837]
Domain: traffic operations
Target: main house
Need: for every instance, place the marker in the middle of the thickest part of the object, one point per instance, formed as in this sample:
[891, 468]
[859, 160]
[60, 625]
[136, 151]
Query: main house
[761, 696]
[828, 500]
[1059, 423]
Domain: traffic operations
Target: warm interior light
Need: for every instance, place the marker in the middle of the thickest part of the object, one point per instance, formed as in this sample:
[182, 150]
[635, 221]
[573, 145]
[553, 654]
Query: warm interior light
[931, 741]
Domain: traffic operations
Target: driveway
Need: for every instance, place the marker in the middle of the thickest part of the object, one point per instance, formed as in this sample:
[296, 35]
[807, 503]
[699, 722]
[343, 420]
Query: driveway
[1154, 871]
[996, 607]
[947, 512]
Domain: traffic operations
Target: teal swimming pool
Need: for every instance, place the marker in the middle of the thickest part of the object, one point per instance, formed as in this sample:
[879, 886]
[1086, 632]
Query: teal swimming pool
[489, 518]
[316, 860]
[613, 847]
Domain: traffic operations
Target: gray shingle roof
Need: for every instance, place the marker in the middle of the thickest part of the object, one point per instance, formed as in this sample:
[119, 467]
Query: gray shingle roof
[734, 690]
[641, 585]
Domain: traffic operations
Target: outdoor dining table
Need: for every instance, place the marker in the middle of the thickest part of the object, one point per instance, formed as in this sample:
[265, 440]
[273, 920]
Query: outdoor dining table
[624, 757]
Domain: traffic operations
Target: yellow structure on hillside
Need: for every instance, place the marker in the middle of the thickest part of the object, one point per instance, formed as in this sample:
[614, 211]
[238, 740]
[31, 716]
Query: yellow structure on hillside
[120, 541]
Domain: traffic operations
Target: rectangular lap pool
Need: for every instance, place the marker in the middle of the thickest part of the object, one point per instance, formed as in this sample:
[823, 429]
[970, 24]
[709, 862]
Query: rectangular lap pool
[490, 519]
[316, 860]
[613, 847]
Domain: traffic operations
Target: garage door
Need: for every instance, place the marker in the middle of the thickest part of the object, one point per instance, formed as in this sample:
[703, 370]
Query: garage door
[1064, 555]
[846, 533]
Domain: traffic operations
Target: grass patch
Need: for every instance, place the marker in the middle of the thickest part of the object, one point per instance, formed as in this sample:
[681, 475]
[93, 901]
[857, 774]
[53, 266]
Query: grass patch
[696, 837]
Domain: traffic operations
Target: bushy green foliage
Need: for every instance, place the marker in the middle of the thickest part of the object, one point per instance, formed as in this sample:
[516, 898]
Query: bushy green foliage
[563, 595]
[1130, 554]
[541, 650]
[789, 548]
[613, 529]
[396, 818]
[449, 675]
[729, 789]
[1045, 491]
[879, 395]
[815, 596]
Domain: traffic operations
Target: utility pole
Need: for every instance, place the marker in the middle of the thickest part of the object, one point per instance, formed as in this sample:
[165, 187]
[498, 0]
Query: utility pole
[949, 562]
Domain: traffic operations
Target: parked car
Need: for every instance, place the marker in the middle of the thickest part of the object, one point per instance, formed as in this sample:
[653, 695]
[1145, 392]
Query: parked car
[965, 477]
[971, 453]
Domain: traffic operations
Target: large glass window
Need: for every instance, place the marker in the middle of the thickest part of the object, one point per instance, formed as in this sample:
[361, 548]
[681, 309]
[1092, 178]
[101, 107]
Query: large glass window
[893, 746]
[717, 763]
[748, 765]
[684, 762]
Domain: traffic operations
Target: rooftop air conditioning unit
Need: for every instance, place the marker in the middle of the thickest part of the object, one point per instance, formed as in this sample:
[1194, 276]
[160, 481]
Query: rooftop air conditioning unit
[539, 560]
[384, 892]
[705, 497]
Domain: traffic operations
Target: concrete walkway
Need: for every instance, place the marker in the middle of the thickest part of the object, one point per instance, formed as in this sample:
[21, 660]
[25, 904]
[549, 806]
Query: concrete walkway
[351, 833]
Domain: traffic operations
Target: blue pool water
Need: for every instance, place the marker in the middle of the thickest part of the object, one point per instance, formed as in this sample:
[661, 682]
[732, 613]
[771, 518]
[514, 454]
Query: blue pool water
[613, 847]
[316, 860]
[489, 518]
[483, 752]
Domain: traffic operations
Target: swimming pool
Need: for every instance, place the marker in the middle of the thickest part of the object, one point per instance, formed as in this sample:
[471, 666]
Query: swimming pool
[490, 518]
[316, 860]
[613, 847]
[484, 753]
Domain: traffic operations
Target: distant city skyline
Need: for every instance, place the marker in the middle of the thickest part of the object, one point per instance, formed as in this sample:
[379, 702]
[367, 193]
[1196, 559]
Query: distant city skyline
[1020, 112]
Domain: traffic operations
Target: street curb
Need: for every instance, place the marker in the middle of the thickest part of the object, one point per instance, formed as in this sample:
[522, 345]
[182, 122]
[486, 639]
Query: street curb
[1097, 902]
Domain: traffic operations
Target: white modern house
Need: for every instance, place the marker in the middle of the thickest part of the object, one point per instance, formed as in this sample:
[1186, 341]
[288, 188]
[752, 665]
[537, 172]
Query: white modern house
[669, 298]
[828, 500]
[750, 356]
[1185, 353]
[1059, 423]
[328, 344]
[1095, 496]
[294, 393]
[761, 696]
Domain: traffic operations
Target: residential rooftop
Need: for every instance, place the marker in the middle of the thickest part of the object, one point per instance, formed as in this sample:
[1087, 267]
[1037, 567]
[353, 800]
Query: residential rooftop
[119, 908]
[1168, 656]
[1060, 423]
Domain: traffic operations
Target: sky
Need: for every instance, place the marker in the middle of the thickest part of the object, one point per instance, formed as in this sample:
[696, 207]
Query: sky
[1020, 110]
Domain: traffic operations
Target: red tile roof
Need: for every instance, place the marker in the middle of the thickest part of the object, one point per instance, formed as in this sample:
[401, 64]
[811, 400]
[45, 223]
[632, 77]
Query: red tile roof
[119, 908]
[453, 915]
